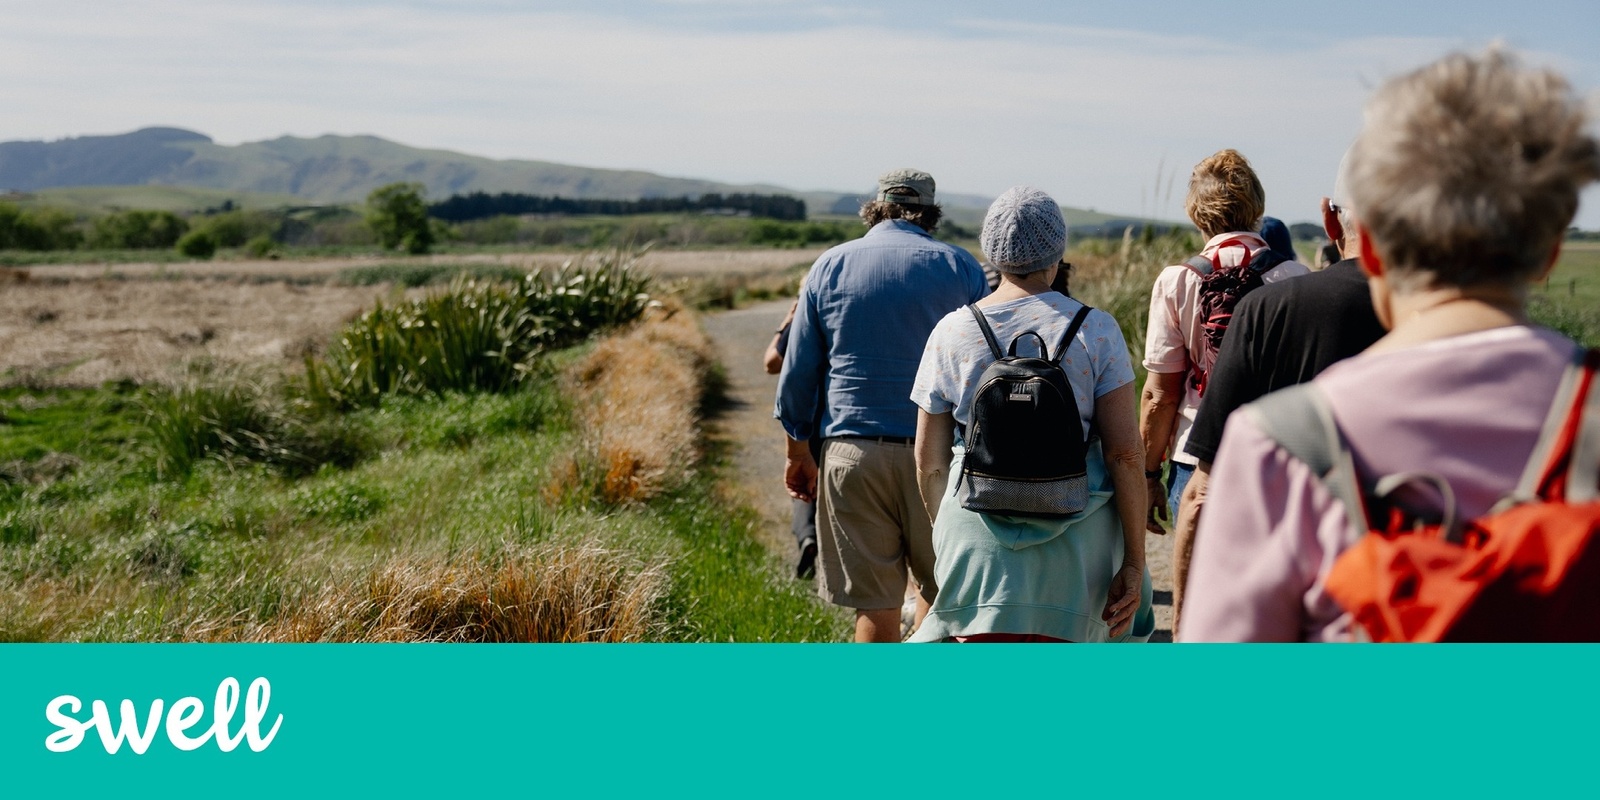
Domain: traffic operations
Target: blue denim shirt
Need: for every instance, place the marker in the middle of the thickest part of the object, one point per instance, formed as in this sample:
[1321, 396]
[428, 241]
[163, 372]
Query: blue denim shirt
[865, 312]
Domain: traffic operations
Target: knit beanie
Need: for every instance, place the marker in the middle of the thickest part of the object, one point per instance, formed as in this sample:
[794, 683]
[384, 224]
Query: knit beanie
[1024, 231]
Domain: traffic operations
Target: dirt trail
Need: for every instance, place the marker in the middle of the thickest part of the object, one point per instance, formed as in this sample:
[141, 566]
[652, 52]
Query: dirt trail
[741, 336]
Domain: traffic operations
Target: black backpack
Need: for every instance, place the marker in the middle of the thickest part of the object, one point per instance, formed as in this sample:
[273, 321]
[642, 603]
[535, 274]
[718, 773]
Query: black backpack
[1220, 291]
[1024, 438]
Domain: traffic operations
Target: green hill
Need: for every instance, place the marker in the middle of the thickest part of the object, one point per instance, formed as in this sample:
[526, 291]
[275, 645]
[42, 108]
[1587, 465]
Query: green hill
[180, 170]
[328, 169]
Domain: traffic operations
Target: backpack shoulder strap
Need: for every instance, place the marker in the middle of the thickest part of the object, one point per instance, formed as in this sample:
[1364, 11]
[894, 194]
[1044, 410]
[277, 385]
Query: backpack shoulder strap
[988, 333]
[1264, 259]
[1299, 419]
[1066, 338]
[1583, 476]
[1571, 432]
[1200, 264]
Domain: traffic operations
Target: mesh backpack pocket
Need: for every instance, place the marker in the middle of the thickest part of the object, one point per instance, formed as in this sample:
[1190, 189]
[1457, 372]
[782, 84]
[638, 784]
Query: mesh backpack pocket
[1025, 453]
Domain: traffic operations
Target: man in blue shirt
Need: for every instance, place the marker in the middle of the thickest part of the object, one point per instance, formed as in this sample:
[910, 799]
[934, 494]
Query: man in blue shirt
[863, 318]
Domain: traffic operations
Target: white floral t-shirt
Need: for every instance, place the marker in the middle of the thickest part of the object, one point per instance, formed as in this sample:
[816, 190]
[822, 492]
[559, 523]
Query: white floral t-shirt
[1096, 361]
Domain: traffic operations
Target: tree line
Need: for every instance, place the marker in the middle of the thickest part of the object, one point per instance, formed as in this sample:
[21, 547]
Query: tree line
[481, 205]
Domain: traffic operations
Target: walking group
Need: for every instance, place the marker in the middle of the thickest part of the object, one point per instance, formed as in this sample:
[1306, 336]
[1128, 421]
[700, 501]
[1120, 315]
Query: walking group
[1383, 449]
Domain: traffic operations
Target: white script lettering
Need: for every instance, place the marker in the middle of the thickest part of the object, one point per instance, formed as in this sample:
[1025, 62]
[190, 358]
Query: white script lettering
[181, 717]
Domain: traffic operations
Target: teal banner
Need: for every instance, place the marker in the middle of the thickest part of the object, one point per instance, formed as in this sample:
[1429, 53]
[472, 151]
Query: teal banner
[791, 720]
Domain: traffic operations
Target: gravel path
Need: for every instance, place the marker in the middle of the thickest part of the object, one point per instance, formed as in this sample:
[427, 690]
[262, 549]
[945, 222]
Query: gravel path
[757, 441]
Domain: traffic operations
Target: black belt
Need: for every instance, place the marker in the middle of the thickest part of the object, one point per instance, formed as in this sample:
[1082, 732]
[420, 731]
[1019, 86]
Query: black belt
[882, 439]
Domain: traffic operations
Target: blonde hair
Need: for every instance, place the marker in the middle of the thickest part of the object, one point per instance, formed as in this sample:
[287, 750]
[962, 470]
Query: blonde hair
[1468, 170]
[1225, 195]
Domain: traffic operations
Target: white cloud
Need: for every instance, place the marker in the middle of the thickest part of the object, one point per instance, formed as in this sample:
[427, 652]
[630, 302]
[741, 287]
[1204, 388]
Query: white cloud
[1096, 117]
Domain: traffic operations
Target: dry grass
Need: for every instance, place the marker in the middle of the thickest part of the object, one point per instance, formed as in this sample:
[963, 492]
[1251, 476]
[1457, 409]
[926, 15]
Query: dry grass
[84, 325]
[637, 397]
[84, 333]
[579, 592]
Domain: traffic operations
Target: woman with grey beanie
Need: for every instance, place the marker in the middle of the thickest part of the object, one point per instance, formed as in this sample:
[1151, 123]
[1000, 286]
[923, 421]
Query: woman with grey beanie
[1080, 578]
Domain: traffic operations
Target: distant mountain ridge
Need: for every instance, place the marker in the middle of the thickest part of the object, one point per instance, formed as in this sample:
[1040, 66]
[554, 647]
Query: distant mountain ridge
[334, 169]
[343, 169]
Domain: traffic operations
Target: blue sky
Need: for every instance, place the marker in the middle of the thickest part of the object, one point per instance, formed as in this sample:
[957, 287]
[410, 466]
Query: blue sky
[1104, 105]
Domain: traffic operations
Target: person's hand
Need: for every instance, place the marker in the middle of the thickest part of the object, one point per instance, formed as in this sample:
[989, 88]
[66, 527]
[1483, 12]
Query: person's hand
[1122, 601]
[800, 476]
[772, 360]
[1158, 506]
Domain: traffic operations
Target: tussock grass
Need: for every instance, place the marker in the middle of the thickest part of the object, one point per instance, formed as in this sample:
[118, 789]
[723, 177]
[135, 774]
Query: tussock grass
[575, 592]
[235, 419]
[636, 401]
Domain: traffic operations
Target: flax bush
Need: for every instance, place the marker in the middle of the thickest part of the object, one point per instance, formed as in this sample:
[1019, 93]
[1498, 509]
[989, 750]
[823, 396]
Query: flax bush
[475, 336]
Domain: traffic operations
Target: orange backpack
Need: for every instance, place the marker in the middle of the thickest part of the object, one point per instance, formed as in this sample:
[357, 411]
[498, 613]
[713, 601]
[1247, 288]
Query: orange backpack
[1529, 570]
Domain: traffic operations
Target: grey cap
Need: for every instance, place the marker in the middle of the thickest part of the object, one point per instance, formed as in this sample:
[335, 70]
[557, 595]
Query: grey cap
[1024, 231]
[908, 187]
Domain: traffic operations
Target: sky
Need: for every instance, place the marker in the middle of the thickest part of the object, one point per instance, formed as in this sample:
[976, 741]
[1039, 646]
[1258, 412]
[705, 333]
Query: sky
[1105, 105]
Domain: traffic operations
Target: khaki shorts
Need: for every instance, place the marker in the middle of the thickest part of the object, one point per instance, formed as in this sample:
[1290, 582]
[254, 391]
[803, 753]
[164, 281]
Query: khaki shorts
[871, 525]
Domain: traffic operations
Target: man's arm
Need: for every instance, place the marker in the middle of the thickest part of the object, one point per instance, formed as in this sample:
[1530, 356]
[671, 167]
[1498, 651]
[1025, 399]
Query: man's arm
[772, 360]
[805, 362]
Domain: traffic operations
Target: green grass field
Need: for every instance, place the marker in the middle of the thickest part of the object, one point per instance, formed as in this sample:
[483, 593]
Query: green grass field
[83, 512]
[1569, 301]
[1577, 273]
[94, 200]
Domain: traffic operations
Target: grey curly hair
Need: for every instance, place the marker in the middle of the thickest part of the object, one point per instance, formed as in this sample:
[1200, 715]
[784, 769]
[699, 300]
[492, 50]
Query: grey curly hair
[1467, 171]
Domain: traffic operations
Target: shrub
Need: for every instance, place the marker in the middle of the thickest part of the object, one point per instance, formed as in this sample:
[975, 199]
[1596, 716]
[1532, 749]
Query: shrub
[41, 229]
[235, 228]
[472, 337]
[399, 217]
[774, 233]
[137, 230]
[586, 296]
[198, 244]
[261, 247]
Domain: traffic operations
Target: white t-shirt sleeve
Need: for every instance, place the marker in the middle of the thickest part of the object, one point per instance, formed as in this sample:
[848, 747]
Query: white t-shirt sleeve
[934, 388]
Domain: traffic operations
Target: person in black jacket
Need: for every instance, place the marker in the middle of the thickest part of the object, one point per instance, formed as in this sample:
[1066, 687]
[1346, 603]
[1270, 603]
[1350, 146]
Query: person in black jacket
[1280, 335]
